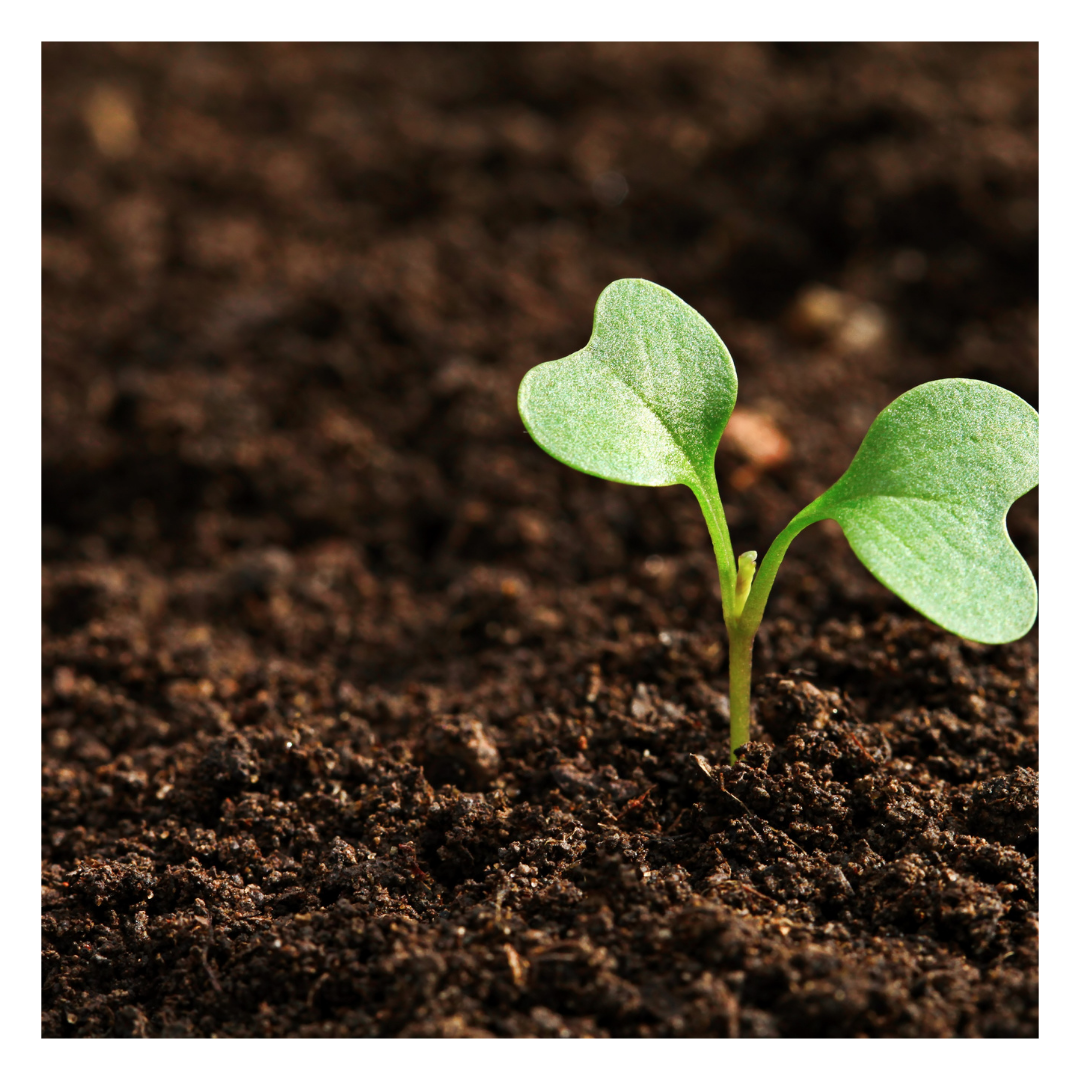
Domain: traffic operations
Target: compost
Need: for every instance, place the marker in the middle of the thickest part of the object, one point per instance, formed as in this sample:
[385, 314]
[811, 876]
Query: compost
[363, 716]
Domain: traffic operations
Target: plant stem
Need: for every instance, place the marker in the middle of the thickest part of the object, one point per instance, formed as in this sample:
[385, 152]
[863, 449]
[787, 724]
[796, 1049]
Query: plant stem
[743, 603]
[750, 617]
[740, 653]
[743, 618]
[708, 495]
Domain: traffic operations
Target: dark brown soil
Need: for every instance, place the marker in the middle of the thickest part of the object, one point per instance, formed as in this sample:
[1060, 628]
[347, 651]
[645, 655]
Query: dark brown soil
[365, 717]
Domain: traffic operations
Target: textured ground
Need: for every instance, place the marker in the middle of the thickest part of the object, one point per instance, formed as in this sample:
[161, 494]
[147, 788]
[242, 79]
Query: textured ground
[365, 717]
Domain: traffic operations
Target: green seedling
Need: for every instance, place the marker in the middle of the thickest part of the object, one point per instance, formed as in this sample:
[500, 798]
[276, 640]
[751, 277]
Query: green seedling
[922, 504]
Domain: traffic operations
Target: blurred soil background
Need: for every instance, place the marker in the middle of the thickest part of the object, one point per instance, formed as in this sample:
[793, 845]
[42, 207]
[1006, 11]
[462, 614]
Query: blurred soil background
[365, 717]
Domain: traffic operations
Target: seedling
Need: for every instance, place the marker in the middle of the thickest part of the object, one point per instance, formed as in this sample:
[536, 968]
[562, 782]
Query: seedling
[922, 504]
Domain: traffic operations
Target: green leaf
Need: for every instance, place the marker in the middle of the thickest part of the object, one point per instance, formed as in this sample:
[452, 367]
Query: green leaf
[645, 402]
[923, 505]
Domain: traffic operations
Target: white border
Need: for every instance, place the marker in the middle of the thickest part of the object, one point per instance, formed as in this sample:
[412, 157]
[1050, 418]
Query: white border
[559, 20]
[554, 20]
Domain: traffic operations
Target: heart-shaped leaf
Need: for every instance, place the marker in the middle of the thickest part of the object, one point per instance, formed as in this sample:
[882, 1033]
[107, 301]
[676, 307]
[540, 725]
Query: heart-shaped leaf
[645, 402]
[923, 505]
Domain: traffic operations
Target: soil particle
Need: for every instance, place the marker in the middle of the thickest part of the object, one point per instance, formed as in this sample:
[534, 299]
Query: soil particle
[364, 718]
[459, 748]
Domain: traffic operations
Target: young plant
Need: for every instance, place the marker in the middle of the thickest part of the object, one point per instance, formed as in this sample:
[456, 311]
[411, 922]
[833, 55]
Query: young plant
[922, 504]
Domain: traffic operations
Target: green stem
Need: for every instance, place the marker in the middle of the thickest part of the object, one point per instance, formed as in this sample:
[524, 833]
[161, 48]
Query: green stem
[743, 602]
[743, 628]
[708, 495]
[750, 618]
[740, 654]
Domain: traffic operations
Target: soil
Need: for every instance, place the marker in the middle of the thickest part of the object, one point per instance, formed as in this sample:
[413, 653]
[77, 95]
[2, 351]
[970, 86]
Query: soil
[363, 716]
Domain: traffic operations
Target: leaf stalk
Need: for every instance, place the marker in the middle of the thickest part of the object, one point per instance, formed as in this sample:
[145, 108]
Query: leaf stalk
[708, 495]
